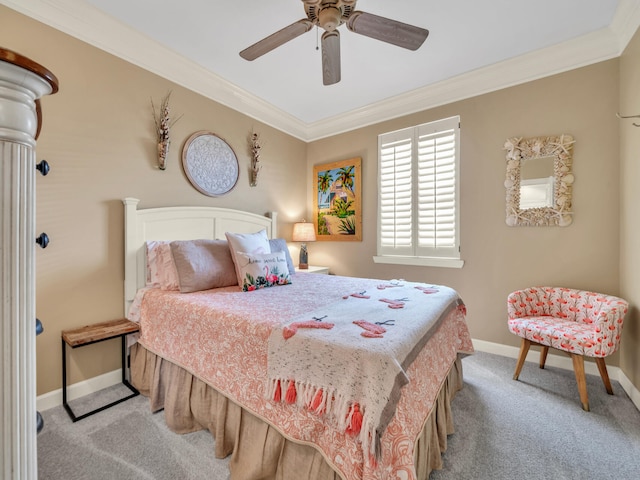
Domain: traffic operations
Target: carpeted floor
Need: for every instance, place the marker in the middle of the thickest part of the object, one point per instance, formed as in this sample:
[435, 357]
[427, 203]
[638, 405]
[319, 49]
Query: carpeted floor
[534, 428]
[530, 429]
[126, 441]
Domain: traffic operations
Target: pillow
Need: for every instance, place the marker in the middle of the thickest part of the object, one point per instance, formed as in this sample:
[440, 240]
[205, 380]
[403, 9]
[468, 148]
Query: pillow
[262, 270]
[161, 271]
[280, 245]
[203, 264]
[247, 243]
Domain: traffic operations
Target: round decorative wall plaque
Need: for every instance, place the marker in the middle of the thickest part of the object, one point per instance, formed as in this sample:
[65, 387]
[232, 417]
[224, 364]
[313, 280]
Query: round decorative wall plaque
[210, 164]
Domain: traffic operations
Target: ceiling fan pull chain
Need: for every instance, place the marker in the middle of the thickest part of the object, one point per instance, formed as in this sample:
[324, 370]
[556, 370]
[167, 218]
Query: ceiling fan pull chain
[317, 38]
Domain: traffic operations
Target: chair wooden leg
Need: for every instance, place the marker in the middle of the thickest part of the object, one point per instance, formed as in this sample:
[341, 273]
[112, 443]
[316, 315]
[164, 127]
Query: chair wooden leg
[543, 355]
[578, 367]
[602, 368]
[524, 349]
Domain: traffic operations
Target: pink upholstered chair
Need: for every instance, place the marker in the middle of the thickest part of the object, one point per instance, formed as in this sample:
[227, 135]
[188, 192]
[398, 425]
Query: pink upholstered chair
[578, 322]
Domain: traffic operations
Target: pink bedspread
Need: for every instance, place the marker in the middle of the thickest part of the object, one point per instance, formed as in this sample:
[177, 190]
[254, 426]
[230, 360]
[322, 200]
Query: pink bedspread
[221, 336]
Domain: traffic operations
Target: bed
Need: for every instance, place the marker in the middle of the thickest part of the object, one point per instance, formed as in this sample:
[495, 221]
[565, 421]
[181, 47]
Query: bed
[313, 377]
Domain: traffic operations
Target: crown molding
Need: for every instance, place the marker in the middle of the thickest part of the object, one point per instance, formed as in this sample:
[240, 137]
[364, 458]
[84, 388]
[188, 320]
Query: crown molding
[85, 22]
[576, 53]
[81, 20]
[625, 22]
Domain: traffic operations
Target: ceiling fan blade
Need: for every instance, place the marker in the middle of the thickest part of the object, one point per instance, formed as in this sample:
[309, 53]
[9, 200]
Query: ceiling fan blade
[387, 30]
[330, 57]
[276, 39]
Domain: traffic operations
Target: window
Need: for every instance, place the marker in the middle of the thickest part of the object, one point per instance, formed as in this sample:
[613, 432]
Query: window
[418, 205]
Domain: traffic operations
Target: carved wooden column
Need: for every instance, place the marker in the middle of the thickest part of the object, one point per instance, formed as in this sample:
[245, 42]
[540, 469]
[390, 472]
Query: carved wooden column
[22, 83]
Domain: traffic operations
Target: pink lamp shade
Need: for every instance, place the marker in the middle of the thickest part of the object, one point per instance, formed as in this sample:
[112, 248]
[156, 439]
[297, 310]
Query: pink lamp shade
[304, 232]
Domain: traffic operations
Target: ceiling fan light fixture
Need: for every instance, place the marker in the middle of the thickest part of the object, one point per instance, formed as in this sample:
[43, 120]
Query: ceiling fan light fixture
[330, 18]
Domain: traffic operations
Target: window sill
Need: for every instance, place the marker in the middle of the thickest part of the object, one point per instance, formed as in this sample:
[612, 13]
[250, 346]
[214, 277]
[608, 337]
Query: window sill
[420, 261]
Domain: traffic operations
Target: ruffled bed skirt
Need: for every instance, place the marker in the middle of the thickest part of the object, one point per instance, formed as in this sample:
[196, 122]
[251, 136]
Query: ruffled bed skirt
[258, 450]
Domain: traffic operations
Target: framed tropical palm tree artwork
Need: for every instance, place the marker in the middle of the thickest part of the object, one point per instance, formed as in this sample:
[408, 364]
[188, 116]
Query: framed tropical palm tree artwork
[338, 201]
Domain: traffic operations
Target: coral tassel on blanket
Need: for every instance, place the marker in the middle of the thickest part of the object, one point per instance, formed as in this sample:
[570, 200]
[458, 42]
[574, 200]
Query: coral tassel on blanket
[277, 396]
[290, 397]
[316, 404]
[356, 420]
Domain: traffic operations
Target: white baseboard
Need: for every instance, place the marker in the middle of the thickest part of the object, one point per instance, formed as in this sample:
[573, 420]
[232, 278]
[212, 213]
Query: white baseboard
[80, 389]
[615, 373]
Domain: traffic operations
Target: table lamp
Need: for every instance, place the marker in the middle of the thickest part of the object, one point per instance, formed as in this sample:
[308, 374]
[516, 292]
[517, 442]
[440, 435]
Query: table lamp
[304, 232]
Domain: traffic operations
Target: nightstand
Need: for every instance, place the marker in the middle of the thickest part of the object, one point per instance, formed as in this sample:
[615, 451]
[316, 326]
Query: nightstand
[314, 269]
[88, 335]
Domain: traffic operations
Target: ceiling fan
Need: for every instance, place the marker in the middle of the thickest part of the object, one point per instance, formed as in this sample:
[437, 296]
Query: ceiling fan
[329, 15]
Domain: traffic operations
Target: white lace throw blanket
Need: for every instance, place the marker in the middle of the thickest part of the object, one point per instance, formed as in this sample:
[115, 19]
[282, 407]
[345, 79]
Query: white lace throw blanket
[348, 361]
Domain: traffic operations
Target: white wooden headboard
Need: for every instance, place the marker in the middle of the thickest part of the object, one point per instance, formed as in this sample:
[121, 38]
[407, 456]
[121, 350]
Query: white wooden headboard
[178, 223]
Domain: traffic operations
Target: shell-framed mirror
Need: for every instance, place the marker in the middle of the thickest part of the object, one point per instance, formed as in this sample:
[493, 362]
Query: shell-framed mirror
[539, 181]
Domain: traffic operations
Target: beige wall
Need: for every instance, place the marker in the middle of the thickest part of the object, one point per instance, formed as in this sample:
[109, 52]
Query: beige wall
[98, 137]
[630, 206]
[500, 259]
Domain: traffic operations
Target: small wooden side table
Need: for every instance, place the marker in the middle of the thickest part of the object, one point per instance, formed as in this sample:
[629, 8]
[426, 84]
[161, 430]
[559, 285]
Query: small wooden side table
[98, 332]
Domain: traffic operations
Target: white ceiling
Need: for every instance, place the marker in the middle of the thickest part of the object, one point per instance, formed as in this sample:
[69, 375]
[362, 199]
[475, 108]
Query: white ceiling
[473, 47]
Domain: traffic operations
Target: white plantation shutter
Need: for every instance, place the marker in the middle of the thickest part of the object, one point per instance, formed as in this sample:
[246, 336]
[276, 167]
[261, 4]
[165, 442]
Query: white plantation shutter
[418, 191]
[396, 194]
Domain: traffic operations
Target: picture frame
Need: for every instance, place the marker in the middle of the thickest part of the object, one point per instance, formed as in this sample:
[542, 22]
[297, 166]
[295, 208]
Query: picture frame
[337, 200]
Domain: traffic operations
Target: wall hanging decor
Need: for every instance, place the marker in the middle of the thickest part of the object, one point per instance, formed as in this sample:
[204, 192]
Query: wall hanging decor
[337, 200]
[539, 181]
[255, 146]
[210, 164]
[163, 123]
